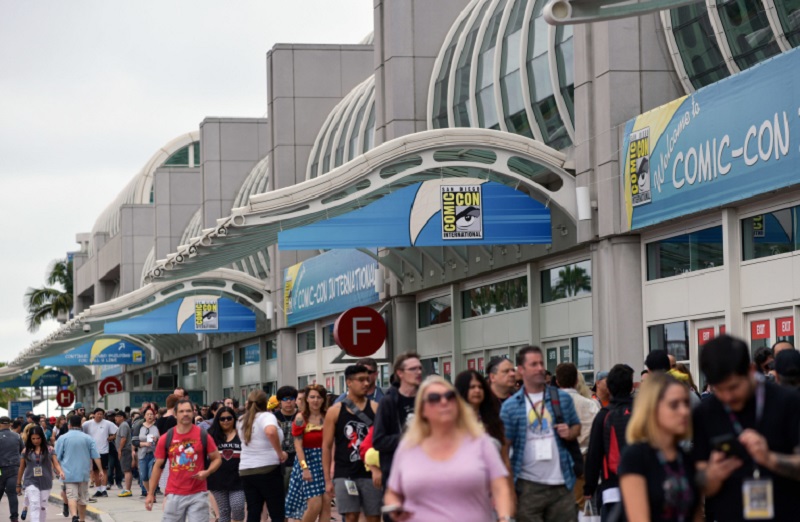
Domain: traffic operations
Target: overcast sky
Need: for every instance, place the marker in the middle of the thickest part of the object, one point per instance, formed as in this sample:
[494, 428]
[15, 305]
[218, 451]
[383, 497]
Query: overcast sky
[89, 90]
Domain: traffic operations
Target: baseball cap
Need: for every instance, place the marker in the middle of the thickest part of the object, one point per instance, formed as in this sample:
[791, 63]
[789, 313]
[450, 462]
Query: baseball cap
[601, 376]
[78, 405]
[5, 420]
[657, 361]
[787, 363]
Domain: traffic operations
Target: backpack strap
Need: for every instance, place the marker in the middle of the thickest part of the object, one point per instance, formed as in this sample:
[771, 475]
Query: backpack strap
[357, 411]
[556, 404]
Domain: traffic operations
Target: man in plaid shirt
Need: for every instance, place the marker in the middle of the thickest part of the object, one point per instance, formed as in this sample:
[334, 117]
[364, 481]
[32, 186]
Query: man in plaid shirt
[542, 466]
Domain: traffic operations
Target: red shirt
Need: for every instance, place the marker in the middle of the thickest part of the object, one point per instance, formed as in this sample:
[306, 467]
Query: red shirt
[186, 459]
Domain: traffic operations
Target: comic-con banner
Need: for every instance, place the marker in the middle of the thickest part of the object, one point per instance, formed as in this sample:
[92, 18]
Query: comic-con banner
[439, 212]
[100, 352]
[189, 315]
[727, 142]
[328, 284]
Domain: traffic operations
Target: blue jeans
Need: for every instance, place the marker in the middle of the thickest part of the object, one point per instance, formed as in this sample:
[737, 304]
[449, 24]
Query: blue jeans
[146, 470]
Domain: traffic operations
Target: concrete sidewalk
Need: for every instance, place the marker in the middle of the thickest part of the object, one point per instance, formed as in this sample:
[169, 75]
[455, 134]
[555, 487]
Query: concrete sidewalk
[111, 509]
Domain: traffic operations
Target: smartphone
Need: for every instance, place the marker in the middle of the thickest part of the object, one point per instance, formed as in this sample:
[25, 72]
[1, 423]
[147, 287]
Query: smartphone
[394, 508]
[729, 445]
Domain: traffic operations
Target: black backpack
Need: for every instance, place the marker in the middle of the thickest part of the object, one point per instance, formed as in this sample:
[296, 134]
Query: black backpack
[572, 446]
[614, 425]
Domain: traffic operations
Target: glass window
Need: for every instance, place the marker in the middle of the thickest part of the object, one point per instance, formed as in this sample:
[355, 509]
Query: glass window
[227, 359]
[440, 88]
[304, 380]
[203, 364]
[430, 367]
[148, 377]
[769, 234]
[672, 337]
[189, 367]
[460, 107]
[136, 381]
[227, 393]
[351, 148]
[685, 253]
[566, 71]
[369, 131]
[583, 357]
[173, 369]
[510, 82]
[272, 349]
[179, 158]
[306, 341]
[249, 355]
[789, 14]
[487, 112]
[573, 280]
[327, 336]
[496, 297]
[698, 46]
[747, 29]
[435, 311]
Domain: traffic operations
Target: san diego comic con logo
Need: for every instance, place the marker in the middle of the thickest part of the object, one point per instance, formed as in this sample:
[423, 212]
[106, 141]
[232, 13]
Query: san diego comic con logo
[462, 216]
[639, 167]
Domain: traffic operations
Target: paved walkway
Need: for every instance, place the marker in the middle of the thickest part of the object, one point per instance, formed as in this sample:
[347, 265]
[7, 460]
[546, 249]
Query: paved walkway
[111, 509]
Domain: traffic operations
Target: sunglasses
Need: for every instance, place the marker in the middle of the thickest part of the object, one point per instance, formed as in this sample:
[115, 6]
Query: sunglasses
[436, 398]
[225, 419]
[287, 399]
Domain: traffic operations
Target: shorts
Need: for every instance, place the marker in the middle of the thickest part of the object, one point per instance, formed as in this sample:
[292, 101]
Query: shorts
[126, 461]
[368, 500]
[78, 491]
[103, 462]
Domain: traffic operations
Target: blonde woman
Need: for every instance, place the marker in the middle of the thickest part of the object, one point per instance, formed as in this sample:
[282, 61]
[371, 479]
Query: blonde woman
[261, 458]
[446, 468]
[656, 475]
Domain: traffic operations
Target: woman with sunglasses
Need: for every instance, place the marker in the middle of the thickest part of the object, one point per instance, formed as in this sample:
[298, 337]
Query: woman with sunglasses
[656, 476]
[36, 471]
[446, 468]
[225, 484]
[148, 437]
[307, 499]
[474, 389]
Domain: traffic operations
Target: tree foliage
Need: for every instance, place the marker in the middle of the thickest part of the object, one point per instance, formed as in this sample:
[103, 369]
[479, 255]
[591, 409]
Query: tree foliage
[53, 300]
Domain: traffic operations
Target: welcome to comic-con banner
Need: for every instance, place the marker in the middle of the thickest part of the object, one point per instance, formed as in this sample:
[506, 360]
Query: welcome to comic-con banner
[729, 141]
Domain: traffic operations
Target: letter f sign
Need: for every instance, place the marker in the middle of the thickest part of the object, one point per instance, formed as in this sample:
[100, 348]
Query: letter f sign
[356, 331]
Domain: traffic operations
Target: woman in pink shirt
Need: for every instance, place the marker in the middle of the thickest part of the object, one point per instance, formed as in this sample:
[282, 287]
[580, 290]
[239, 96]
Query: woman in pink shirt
[446, 468]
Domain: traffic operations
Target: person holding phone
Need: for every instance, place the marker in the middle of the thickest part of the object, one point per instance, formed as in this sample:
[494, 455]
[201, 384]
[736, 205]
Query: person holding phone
[447, 467]
[656, 475]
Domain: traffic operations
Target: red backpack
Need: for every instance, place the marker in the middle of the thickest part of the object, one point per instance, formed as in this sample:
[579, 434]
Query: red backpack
[614, 426]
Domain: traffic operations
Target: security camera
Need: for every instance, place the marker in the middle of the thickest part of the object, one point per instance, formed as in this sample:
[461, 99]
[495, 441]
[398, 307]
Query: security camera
[87, 327]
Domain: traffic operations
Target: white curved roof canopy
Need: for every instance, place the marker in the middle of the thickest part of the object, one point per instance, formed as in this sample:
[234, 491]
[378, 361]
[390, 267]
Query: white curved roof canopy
[506, 158]
[138, 190]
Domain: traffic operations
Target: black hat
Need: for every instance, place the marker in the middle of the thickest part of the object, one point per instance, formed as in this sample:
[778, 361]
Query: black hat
[787, 363]
[657, 361]
[5, 420]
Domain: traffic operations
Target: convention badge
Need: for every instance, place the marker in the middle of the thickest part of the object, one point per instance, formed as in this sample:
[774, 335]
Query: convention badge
[757, 499]
[37, 471]
[542, 449]
[352, 489]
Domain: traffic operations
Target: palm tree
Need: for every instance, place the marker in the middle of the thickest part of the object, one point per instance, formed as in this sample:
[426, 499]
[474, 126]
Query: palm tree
[572, 279]
[51, 302]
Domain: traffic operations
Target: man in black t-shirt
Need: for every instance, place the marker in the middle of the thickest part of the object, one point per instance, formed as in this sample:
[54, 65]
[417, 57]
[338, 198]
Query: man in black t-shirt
[396, 411]
[760, 424]
[287, 398]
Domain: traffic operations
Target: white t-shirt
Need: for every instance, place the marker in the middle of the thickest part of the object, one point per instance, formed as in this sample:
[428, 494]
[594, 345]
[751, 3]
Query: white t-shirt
[100, 431]
[259, 452]
[541, 471]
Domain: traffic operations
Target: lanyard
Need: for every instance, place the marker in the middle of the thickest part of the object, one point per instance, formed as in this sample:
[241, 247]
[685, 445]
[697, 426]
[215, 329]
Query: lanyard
[737, 426]
[539, 416]
[677, 493]
[36, 457]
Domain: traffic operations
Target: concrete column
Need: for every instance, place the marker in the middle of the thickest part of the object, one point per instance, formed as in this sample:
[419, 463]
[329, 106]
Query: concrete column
[534, 291]
[214, 383]
[617, 302]
[456, 306]
[287, 357]
[731, 256]
[404, 326]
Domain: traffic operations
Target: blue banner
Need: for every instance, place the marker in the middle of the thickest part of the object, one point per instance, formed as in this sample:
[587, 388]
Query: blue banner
[730, 141]
[99, 352]
[38, 378]
[329, 284]
[449, 212]
[190, 315]
[17, 409]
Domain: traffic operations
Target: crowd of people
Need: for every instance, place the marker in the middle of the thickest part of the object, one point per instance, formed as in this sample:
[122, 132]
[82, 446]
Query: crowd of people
[519, 444]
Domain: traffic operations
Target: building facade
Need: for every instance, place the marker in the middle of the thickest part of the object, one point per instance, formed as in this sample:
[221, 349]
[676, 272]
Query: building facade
[461, 91]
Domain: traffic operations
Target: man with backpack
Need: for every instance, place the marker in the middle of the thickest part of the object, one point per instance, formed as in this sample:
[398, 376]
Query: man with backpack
[606, 442]
[186, 448]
